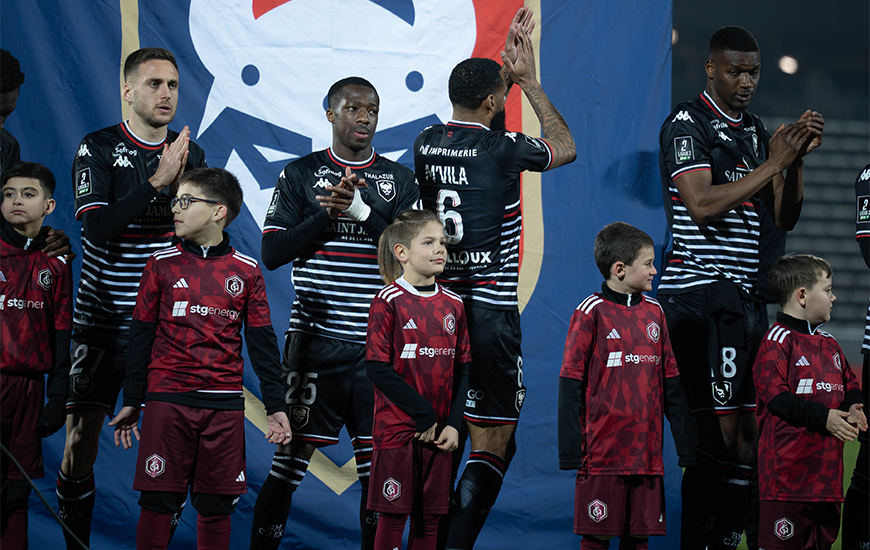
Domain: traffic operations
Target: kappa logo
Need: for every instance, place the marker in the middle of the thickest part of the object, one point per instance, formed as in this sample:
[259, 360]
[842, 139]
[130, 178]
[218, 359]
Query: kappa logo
[612, 335]
[805, 386]
[392, 489]
[234, 285]
[180, 284]
[386, 189]
[865, 175]
[410, 325]
[724, 137]
[802, 362]
[653, 332]
[783, 528]
[83, 151]
[155, 465]
[597, 511]
[837, 364]
[322, 183]
[44, 279]
[299, 416]
[684, 116]
[721, 392]
[449, 323]
[123, 162]
[512, 135]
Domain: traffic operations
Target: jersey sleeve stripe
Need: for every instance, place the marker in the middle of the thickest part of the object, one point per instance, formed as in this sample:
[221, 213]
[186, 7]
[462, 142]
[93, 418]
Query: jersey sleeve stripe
[693, 168]
[270, 228]
[246, 259]
[589, 305]
[89, 206]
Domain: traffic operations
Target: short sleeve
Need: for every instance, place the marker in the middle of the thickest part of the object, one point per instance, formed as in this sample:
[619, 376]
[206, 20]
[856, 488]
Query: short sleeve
[683, 142]
[770, 370]
[379, 337]
[148, 301]
[517, 152]
[92, 177]
[578, 345]
[409, 197]
[285, 208]
[862, 204]
[463, 342]
[257, 308]
[669, 361]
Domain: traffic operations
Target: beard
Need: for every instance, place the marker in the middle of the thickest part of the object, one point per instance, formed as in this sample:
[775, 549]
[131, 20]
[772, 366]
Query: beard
[498, 122]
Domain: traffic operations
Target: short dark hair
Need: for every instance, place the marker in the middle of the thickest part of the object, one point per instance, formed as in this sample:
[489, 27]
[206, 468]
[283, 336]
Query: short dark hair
[619, 242]
[335, 90]
[794, 271]
[220, 185]
[144, 55]
[11, 76]
[472, 81]
[733, 38]
[31, 170]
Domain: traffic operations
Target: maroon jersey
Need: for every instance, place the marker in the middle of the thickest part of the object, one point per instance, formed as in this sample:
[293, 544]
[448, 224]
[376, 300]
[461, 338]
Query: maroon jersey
[199, 305]
[36, 302]
[422, 336]
[621, 355]
[796, 463]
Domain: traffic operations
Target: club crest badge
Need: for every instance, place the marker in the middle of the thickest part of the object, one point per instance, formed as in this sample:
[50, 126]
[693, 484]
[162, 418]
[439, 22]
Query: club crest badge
[783, 528]
[155, 465]
[386, 189]
[44, 279]
[721, 392]
[298, 416]
[234, 285]
[597, 511]
[392, 489]
[449, 323]
[653, 332]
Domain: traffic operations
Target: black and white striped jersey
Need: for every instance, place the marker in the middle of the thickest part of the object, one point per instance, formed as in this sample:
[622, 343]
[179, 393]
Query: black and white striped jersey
[470, 175]
[698, 136]
[110, 165]
[862, 231]
[336, 274]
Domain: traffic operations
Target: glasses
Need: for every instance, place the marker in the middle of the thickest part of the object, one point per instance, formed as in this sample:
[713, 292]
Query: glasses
[185, 200]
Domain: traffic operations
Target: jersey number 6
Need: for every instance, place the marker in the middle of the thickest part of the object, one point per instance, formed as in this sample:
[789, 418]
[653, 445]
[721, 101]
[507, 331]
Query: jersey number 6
[453, 230]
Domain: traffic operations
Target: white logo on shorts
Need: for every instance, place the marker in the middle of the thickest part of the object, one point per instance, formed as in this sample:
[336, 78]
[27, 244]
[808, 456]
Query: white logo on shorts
[392, 489]
[783, 528]
[597, 511]
[155, 465]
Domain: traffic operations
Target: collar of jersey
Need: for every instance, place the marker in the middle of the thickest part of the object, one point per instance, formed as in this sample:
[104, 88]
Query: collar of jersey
[712, 104]
[797, 325]
[619, 298]
[16, 239]
[464, 124]
[416, 290]
[344, 163]
[139, 142]
[208, 251]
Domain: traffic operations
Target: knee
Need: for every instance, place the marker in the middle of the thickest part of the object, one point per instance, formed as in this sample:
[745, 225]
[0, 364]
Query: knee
[162, 502]
[208, 505]
[16, 493]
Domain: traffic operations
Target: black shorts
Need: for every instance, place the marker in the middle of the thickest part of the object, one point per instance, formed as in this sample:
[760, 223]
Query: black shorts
[98, 366]
[724, 386]
[495, 379]
[328, 388]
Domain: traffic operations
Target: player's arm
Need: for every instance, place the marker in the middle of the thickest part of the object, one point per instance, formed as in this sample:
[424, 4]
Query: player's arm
[677, 404]
[286, 234]
[102, 221]
[346, 197]
[862, 208]
[572, 389]
[522, 71]
[57, 244]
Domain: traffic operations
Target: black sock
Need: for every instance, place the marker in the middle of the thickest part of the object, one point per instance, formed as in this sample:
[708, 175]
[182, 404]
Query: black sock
[476, 493]
[699, 514]
[176, 517]
[273, 501]
[368, 520]
[733, 508]
[752, 513]
[75, 502]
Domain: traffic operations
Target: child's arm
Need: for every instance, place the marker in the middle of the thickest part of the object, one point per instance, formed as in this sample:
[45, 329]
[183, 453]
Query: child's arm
[404, 396]
[53, 416]
[853, 401]
[677, 404]
[266, 362]
[572, 389]
[448, 440]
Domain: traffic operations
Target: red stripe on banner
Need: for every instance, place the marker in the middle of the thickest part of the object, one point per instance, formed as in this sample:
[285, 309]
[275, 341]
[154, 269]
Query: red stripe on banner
[261, 7]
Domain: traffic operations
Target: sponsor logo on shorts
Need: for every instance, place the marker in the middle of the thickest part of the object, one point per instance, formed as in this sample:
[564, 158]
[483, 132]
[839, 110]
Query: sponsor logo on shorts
[597, 511]
[473, 396]
[721, 392]
[155, 465]
[783, 528]
[299, 416]
[837, 364]
[44, 279]
[234, 285]
[82, 384]
[733, 540]
[392, 489]
[653, 332]
[805, 385]
[520, 399]
[449, 323]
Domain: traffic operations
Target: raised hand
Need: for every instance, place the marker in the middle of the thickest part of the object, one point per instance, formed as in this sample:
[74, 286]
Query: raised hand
[172, 161]
[816, 124]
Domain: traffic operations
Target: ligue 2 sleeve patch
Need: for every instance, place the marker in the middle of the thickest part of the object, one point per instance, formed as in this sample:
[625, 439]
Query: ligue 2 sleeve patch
[684, 149]
[274, 204]
[863, 209]
[83, 182]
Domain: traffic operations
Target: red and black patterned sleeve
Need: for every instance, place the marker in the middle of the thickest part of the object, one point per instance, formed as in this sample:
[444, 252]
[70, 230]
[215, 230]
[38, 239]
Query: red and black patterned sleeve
[263, 345]
[143, 333]
[379, 337]
[58, 380]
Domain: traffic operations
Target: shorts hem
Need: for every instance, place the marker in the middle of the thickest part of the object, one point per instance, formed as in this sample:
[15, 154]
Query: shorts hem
[491, 421]
[619, 533]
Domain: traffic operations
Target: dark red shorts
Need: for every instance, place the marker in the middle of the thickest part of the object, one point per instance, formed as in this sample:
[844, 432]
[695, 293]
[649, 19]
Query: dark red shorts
[619, 505]
[187, 447]
[412, 478]
[798, 525]
[22, 399]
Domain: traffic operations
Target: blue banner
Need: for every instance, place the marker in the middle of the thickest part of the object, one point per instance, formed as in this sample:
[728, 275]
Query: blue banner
[253, 80]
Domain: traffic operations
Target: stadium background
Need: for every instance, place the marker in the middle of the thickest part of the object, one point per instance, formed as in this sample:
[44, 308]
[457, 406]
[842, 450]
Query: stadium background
[253, 76]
